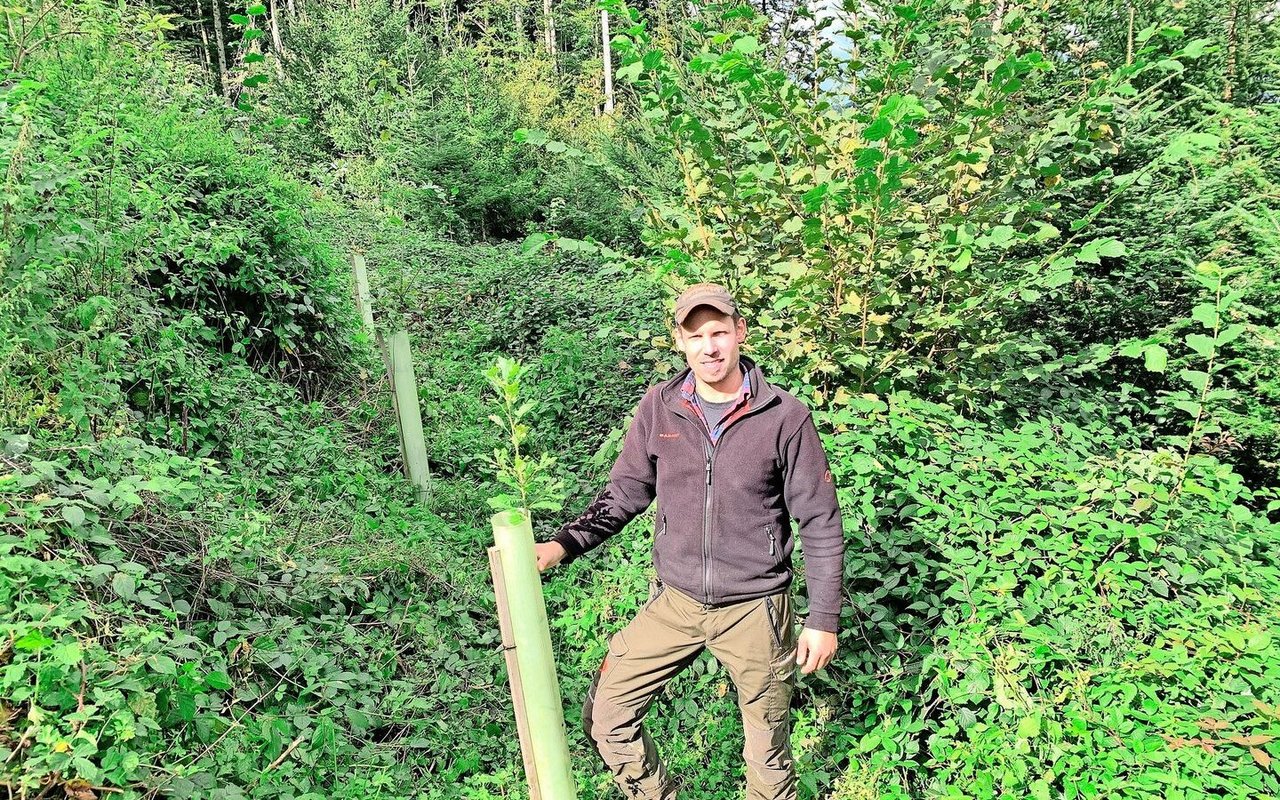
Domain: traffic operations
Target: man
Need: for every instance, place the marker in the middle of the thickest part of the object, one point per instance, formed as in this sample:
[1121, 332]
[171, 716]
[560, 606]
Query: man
[732, 460]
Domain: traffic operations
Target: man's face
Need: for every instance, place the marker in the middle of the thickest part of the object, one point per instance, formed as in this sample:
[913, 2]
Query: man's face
[710, 342]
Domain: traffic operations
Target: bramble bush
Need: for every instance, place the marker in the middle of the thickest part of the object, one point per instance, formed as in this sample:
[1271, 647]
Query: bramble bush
[149, 192]
[159, 637]
[1050, 610]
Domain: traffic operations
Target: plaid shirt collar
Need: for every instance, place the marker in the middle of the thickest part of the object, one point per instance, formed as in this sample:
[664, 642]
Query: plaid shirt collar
[689, 391]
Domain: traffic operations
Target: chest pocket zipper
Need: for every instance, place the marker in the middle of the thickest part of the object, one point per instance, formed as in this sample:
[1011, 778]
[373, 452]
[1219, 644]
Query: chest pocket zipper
[773, 541]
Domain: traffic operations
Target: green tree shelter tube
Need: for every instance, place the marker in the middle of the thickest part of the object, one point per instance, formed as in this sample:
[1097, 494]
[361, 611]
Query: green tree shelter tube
[513, 536]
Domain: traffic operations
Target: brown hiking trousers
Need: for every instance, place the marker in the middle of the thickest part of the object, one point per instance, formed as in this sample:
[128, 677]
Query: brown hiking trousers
[755, 640]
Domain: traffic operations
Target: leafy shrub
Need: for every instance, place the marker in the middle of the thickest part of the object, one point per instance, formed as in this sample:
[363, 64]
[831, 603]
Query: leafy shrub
[224, 235]
[153, 191]
[158, 638]
[1026, 599]
[1207, 200]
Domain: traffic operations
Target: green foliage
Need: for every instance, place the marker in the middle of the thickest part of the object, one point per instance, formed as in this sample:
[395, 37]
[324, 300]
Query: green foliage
[882, 218]
[423, 129]
[1204, 401]
[157, 641]
[241, 256]
[214, 582]
[534, 487]
[586, 333]
[148, 191]
[1225, 216]
[1026, 599]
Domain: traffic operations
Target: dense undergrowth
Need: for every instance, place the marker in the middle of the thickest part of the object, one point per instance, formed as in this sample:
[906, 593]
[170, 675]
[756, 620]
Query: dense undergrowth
[216, 584]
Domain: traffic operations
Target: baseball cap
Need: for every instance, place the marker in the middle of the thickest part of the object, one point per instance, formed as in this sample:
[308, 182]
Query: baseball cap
[704, 294]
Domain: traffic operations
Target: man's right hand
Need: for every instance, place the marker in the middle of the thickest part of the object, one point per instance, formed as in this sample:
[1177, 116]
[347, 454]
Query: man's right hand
[549, 554]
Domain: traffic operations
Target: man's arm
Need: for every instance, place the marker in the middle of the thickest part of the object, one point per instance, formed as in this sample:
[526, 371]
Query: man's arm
[810, 494]
[630, 490]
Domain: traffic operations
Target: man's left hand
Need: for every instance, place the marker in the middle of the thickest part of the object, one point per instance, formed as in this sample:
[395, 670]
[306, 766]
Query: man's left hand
[815, 650]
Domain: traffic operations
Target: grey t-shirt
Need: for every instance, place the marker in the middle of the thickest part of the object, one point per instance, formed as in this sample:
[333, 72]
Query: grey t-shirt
[714, 412]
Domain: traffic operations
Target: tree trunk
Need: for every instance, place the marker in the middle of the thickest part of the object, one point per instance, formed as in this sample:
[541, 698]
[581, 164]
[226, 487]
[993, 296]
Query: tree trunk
[997, 17]
[607, 59]
[1128, 48]
[276, 41]
[206, 55]
[549, 29]
[222, 50]
[815, 47]
[444, 25]
[274, 21]
[1229, 81]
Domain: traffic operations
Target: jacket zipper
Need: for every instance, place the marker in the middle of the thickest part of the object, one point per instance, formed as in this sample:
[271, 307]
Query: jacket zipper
[773, 543]
[710, 452]
[709, 449]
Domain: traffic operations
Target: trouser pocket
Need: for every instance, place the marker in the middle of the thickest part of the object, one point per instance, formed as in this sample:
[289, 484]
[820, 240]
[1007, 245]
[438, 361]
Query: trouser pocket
[776, 625]
[656, 588]
[781, 620]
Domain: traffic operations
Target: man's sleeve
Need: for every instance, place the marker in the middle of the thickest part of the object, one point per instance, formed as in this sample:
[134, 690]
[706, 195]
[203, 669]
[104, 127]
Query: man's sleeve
[630, 490]
[810, 494]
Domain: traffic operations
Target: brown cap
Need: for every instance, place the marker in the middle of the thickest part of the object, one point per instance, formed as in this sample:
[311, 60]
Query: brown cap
[704, 294]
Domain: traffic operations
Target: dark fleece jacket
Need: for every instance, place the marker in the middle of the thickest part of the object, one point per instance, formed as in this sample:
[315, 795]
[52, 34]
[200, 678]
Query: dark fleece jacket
[723, 530]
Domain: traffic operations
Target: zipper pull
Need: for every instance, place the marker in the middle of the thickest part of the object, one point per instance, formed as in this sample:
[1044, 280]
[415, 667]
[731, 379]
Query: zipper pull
[708, 470]
[772, 543]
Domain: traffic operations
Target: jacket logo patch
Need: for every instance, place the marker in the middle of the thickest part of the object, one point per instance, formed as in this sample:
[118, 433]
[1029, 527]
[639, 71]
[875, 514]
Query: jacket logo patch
[827, 477]
[668, 436]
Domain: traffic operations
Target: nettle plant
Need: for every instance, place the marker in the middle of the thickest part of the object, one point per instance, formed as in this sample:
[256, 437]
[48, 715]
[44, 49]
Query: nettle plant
[530, 482]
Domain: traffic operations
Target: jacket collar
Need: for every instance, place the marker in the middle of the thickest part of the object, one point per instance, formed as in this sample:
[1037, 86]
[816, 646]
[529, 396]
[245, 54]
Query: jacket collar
[762, 393]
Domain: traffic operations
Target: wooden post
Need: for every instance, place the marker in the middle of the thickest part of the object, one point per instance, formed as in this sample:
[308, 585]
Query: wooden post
[513, 672]
[409, 414]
